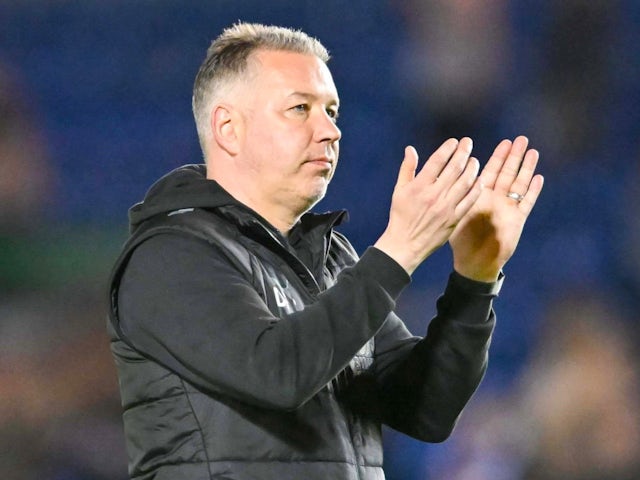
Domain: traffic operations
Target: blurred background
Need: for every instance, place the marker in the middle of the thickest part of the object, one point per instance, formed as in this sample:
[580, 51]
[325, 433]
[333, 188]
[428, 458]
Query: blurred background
[95, 105]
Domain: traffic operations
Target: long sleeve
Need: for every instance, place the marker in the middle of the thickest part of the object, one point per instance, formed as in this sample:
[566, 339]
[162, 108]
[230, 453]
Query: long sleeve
[186, 307]
[425, 383]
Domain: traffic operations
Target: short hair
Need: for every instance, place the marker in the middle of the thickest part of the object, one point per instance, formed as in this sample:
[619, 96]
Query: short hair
[227, 59]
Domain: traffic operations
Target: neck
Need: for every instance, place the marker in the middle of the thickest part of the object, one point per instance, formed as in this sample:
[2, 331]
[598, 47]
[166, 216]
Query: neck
[281, 217]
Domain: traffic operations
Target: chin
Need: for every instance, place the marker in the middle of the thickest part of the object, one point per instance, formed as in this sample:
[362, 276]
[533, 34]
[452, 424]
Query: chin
[312, 199]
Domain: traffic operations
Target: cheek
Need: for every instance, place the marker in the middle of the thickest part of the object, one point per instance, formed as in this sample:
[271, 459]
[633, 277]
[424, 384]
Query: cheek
[267, 152]
[336, 149]
[284, 142]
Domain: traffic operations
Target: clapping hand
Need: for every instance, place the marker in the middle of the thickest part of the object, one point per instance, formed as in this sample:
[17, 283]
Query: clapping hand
[428, 204]
[487, 235]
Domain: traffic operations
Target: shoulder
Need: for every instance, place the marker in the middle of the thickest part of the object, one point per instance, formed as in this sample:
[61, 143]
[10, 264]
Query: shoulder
[180, 247]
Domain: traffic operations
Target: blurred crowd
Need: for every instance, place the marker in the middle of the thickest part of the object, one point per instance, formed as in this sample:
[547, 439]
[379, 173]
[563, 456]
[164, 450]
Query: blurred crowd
[58, 394]
[95, 104]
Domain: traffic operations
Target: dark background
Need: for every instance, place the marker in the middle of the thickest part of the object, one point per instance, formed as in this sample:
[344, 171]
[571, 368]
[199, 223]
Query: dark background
[95, 105]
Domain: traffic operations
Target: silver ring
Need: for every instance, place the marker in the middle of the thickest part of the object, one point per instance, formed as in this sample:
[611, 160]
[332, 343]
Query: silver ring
[516, 196]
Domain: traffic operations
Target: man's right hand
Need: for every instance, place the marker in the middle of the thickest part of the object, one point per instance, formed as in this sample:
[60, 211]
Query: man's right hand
[426, 207]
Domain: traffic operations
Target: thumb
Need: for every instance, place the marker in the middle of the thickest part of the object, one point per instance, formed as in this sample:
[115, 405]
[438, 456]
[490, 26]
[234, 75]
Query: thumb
[408, 167]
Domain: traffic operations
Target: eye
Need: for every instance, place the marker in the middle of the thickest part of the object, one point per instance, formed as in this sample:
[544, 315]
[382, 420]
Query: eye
[302, 108]
[333, 114]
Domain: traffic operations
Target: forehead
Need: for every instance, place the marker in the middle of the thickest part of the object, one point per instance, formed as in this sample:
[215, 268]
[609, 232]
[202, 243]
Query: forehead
[291, 72]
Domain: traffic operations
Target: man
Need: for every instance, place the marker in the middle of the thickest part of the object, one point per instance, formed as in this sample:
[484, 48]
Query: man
[251, 341]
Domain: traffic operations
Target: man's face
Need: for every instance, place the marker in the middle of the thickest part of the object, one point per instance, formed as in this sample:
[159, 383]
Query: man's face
[289, 145]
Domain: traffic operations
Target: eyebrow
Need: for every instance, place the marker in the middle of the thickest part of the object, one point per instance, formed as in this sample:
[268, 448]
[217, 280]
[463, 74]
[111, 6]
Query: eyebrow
[311, 96]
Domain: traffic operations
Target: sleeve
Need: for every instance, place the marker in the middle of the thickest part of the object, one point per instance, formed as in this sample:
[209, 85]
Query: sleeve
[424, 383]
[184, 306]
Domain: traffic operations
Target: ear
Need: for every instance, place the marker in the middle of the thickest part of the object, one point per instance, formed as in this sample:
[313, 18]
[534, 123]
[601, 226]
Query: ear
[225, 124]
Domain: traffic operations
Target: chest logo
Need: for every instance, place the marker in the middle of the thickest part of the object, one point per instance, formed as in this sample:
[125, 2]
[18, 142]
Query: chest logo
[281, 300]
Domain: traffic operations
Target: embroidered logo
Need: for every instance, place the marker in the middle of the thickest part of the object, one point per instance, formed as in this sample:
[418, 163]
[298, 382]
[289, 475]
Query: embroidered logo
[281, 300]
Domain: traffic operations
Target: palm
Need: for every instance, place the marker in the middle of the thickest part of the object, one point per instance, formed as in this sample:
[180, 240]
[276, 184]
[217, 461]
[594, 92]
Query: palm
[486, 237]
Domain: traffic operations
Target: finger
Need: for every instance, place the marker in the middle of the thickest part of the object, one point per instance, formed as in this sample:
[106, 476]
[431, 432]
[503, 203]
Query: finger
[408, 167]
[465, 181]
[468, 201]
[491, 170]
[521, 184]
[437, 161]
[530, 198]
[457, 164]
[511, 166]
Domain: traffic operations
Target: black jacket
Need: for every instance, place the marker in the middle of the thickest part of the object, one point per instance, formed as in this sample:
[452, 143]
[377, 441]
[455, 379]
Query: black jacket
[242, 354]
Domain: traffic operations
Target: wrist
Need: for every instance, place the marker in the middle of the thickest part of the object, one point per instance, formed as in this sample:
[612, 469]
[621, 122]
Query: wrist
[400, 255]
[486, 275]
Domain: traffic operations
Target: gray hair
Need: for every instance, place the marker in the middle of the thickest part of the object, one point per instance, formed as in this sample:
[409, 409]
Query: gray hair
[227, 60]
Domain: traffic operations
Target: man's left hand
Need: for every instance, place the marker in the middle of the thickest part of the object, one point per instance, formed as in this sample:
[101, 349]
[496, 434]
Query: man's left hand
[487, 236]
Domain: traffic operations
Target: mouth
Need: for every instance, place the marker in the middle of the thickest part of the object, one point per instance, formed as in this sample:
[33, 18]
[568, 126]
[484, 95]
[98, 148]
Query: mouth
[321, 162]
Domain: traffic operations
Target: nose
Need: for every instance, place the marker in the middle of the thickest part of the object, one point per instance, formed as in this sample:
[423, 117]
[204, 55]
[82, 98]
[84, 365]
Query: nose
[326, 129]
